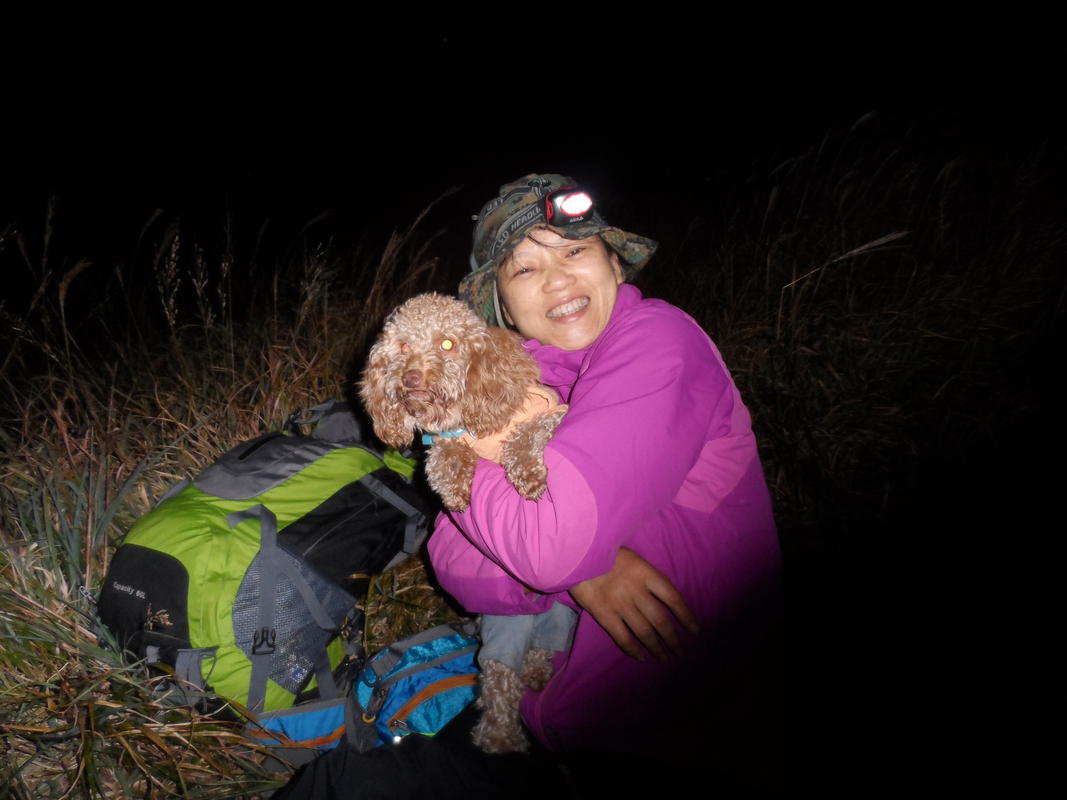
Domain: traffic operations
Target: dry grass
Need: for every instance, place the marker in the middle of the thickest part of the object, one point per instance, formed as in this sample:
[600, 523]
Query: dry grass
[865, 299]
[96, 425]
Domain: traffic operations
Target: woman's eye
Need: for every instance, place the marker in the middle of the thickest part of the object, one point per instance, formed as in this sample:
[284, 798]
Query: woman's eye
[575, 251]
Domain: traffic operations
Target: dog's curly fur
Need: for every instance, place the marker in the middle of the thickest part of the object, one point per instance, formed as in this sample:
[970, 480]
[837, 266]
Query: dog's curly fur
[438, 367]
[500, 728]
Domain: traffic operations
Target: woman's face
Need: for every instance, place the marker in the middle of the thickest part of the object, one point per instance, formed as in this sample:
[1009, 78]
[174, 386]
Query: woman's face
[559, 291]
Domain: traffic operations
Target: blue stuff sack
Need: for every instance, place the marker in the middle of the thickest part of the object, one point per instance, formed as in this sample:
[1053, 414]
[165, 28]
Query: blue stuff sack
[416, 685]
[300, 733]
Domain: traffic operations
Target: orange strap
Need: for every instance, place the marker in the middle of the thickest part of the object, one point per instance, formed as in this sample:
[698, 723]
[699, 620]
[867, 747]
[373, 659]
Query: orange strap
[443, 685]
[285, 741]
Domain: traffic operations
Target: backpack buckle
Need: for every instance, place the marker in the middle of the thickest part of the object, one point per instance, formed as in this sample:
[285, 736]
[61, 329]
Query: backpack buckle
[264, 641]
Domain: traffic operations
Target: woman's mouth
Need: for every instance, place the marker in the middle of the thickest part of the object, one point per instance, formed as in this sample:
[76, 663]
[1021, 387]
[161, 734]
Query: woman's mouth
[570, 307]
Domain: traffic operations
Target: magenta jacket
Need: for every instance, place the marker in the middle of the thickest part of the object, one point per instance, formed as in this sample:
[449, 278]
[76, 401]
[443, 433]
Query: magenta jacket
[656, 454]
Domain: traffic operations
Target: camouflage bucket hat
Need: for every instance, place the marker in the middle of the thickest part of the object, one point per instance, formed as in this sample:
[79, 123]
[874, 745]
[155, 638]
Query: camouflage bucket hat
[508, 218]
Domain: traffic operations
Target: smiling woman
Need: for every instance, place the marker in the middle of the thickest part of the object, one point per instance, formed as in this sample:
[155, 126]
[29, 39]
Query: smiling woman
[559, 291]
[656, 525]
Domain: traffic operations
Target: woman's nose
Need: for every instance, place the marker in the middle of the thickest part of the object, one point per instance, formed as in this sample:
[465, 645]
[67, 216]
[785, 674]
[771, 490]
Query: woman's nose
[556, 275]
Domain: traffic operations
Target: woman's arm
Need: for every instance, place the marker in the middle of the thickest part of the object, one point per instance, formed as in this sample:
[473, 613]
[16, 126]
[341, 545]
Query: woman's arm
[475, 580]
[653, 391]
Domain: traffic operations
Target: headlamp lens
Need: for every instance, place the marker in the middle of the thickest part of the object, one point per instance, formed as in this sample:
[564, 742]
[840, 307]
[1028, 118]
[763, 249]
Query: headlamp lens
[568, 205]
[574, 205]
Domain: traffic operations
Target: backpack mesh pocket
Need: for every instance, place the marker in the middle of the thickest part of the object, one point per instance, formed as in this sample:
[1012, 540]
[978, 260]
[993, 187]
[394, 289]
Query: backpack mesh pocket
[294, 635]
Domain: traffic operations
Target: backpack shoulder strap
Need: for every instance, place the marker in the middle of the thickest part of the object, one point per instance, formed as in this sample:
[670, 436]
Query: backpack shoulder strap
[273, 564]
[415, 527]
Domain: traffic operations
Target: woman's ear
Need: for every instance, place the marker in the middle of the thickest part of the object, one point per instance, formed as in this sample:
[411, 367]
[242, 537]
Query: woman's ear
[498, 300]
[616, 266]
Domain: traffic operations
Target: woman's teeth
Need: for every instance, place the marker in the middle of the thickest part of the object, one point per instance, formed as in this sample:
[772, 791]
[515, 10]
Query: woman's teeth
[569, 308]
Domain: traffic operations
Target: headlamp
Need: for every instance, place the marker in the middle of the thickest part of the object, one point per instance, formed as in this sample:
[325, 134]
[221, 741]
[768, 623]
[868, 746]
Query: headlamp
[568, 205]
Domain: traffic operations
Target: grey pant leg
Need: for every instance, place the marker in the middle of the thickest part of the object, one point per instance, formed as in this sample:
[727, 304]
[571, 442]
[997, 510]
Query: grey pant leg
[554, 629]
[507, 638]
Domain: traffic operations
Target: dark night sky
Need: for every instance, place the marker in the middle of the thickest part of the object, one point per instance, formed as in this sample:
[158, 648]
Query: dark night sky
[372, 119]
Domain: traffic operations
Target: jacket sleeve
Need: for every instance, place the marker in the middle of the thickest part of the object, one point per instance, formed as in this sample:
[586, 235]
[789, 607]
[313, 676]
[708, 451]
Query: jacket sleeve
[652, 391]
[477, 582]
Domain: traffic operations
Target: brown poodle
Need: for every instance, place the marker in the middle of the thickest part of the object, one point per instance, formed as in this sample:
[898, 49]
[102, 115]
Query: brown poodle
[437, 367]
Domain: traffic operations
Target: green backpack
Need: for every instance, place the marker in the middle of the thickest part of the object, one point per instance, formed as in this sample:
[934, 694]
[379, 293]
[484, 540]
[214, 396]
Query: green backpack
[243, 578]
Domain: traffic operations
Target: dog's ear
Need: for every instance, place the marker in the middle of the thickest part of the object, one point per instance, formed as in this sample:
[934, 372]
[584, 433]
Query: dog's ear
[499, 375]
[392, 424]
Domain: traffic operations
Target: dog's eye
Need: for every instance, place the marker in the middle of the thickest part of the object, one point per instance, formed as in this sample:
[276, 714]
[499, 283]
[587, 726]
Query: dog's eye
[447, 344]
[404, 348]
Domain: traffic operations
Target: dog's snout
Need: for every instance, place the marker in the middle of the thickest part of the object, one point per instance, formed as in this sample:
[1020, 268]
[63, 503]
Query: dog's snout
[412, 378]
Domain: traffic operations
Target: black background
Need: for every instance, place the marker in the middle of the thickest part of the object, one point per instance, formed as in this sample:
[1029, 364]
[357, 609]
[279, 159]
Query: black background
[369, 117]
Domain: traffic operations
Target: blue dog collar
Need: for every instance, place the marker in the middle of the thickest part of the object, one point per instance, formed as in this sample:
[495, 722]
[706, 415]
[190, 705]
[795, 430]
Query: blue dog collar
[427, 438]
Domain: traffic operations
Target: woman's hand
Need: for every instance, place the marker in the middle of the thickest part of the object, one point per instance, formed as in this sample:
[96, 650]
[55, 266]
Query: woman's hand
[634, 603]
[539, 400]
[487, 447]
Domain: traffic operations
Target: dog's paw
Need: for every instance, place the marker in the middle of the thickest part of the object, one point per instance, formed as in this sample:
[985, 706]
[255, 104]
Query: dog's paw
[450, 471]
[500, 728]
[522, 453]
[490, 736]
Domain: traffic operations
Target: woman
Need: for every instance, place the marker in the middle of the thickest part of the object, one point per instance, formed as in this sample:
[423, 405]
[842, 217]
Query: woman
[656, 506]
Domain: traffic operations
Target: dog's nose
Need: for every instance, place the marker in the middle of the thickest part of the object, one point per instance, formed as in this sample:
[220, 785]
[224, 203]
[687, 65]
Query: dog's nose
[412, 378]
